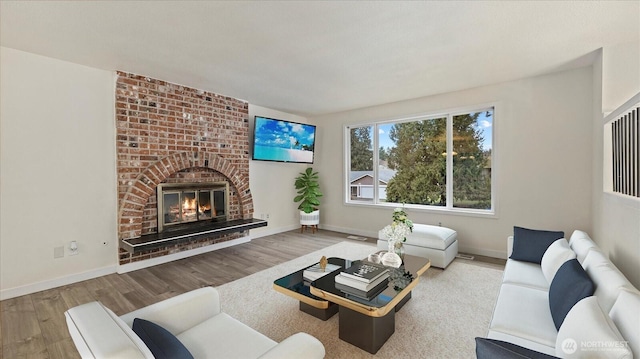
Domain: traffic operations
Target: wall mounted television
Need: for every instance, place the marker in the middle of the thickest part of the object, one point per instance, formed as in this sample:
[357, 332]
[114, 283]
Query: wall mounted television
[283, 141]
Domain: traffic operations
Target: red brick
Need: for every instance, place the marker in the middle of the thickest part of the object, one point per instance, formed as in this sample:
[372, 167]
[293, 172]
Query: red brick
[167, 123]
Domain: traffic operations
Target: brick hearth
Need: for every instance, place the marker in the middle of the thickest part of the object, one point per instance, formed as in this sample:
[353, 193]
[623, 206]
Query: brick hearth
[168, 133]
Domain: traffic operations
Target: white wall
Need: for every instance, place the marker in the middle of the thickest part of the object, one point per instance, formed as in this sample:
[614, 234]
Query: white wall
[541, 165]
[57, 162]
[272, 183]
[616, 219]
[620, 74]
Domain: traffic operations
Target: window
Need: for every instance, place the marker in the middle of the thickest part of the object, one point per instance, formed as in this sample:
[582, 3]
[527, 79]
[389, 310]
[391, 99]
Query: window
[441, 161]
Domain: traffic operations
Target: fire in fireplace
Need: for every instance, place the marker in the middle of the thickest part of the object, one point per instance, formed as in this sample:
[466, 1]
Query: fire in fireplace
[180, 203]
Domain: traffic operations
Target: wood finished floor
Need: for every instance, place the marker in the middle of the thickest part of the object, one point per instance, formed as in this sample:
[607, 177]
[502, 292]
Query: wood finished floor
[33, 326]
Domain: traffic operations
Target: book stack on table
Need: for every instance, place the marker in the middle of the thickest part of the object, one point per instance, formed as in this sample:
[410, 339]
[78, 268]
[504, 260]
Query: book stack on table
[363, 279]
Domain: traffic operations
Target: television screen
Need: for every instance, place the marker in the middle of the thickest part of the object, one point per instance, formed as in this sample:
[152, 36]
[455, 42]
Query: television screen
[283, 141]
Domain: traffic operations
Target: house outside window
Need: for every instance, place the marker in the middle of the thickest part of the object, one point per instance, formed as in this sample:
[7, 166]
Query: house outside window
[440, 162]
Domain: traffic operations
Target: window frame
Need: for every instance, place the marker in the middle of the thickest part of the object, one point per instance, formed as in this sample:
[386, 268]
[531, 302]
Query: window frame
[449, 114]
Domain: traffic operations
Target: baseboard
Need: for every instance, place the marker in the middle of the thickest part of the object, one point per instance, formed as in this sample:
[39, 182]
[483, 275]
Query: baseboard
[57, 282]
[266, 231]
[483, 252]
[369, 234]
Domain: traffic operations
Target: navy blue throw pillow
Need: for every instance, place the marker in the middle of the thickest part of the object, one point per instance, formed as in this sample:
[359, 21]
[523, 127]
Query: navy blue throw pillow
[570, 284]
[497, 349]
[529, 245]
[160, 341]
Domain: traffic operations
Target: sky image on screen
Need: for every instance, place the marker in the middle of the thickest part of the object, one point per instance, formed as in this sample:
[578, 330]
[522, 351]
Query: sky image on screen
[284, 141]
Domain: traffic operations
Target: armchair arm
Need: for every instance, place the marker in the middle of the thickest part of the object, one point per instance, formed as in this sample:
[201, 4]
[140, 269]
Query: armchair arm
[181, 312]
[299, 345]
[98, 333]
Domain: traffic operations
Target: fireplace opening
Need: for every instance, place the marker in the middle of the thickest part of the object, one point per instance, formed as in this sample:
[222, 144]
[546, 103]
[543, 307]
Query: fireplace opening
[182, 203]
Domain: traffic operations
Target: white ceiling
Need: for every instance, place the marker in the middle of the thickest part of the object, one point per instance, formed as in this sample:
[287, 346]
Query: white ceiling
[312, 58]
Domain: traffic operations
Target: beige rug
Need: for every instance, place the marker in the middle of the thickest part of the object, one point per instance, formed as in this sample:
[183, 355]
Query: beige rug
[448, 309]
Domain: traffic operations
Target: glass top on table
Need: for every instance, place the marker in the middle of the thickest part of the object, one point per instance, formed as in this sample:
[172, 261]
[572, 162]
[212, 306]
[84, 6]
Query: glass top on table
[399, 279]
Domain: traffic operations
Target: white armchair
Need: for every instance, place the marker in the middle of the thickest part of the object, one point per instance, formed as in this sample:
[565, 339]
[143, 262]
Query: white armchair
[194, 318]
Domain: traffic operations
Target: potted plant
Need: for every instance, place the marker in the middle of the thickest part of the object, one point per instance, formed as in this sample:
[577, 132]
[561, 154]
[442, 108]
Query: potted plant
[308, 195]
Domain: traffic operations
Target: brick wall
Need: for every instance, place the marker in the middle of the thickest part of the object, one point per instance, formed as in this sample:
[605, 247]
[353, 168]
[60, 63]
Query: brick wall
[172, 133]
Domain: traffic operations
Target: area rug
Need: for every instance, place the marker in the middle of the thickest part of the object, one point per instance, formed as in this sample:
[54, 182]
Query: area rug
[448, 309]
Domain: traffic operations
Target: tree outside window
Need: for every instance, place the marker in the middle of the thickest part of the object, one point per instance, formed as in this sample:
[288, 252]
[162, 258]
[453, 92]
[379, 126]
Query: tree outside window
[413, 166]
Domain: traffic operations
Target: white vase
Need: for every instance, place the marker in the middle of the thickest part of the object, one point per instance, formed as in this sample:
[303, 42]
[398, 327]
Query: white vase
[391, 259]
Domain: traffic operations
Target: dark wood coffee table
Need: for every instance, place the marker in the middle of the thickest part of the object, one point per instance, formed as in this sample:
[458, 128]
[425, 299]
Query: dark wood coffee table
[366, 324]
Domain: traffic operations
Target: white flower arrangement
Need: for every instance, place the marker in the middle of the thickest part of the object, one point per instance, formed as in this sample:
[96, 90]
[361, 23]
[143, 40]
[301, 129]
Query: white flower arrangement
[396, 231]
[401, 224]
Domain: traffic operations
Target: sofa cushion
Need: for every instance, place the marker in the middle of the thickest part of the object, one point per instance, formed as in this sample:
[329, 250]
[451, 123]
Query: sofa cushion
[160, 341]
[524, 312]
[299, 345]
[595, 257]
[629, 325]
[581, 243]
[570, 284]
[606, 277]
[235, 335]
[588, 332]
[498, 349]
[529, 245]
[524, 273]
[555, 256]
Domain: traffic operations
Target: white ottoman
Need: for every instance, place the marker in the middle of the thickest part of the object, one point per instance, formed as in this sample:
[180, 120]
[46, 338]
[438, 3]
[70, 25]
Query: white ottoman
[439, 244]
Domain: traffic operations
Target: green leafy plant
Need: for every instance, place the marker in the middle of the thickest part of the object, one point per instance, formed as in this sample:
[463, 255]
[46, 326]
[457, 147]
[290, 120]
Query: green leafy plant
[400, 216]
[308, 191]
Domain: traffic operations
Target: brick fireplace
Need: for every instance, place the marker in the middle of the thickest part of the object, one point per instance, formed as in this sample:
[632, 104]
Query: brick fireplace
[172, 134]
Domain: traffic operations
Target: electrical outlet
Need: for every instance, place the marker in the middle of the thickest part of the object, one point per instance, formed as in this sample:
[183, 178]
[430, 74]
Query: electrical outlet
[267, 215]
[73, 248]
[58, 252]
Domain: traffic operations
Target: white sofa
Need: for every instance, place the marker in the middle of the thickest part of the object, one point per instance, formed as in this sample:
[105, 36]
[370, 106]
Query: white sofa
[196, 320]
[522, 315]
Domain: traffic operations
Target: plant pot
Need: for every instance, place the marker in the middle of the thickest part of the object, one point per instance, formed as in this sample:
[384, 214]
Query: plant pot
[310, 219]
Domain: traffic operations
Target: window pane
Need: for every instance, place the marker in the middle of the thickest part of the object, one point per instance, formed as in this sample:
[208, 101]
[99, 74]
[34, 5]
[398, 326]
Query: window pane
[418, 157]
[472, 144]
[361, 164]
[385, 173]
